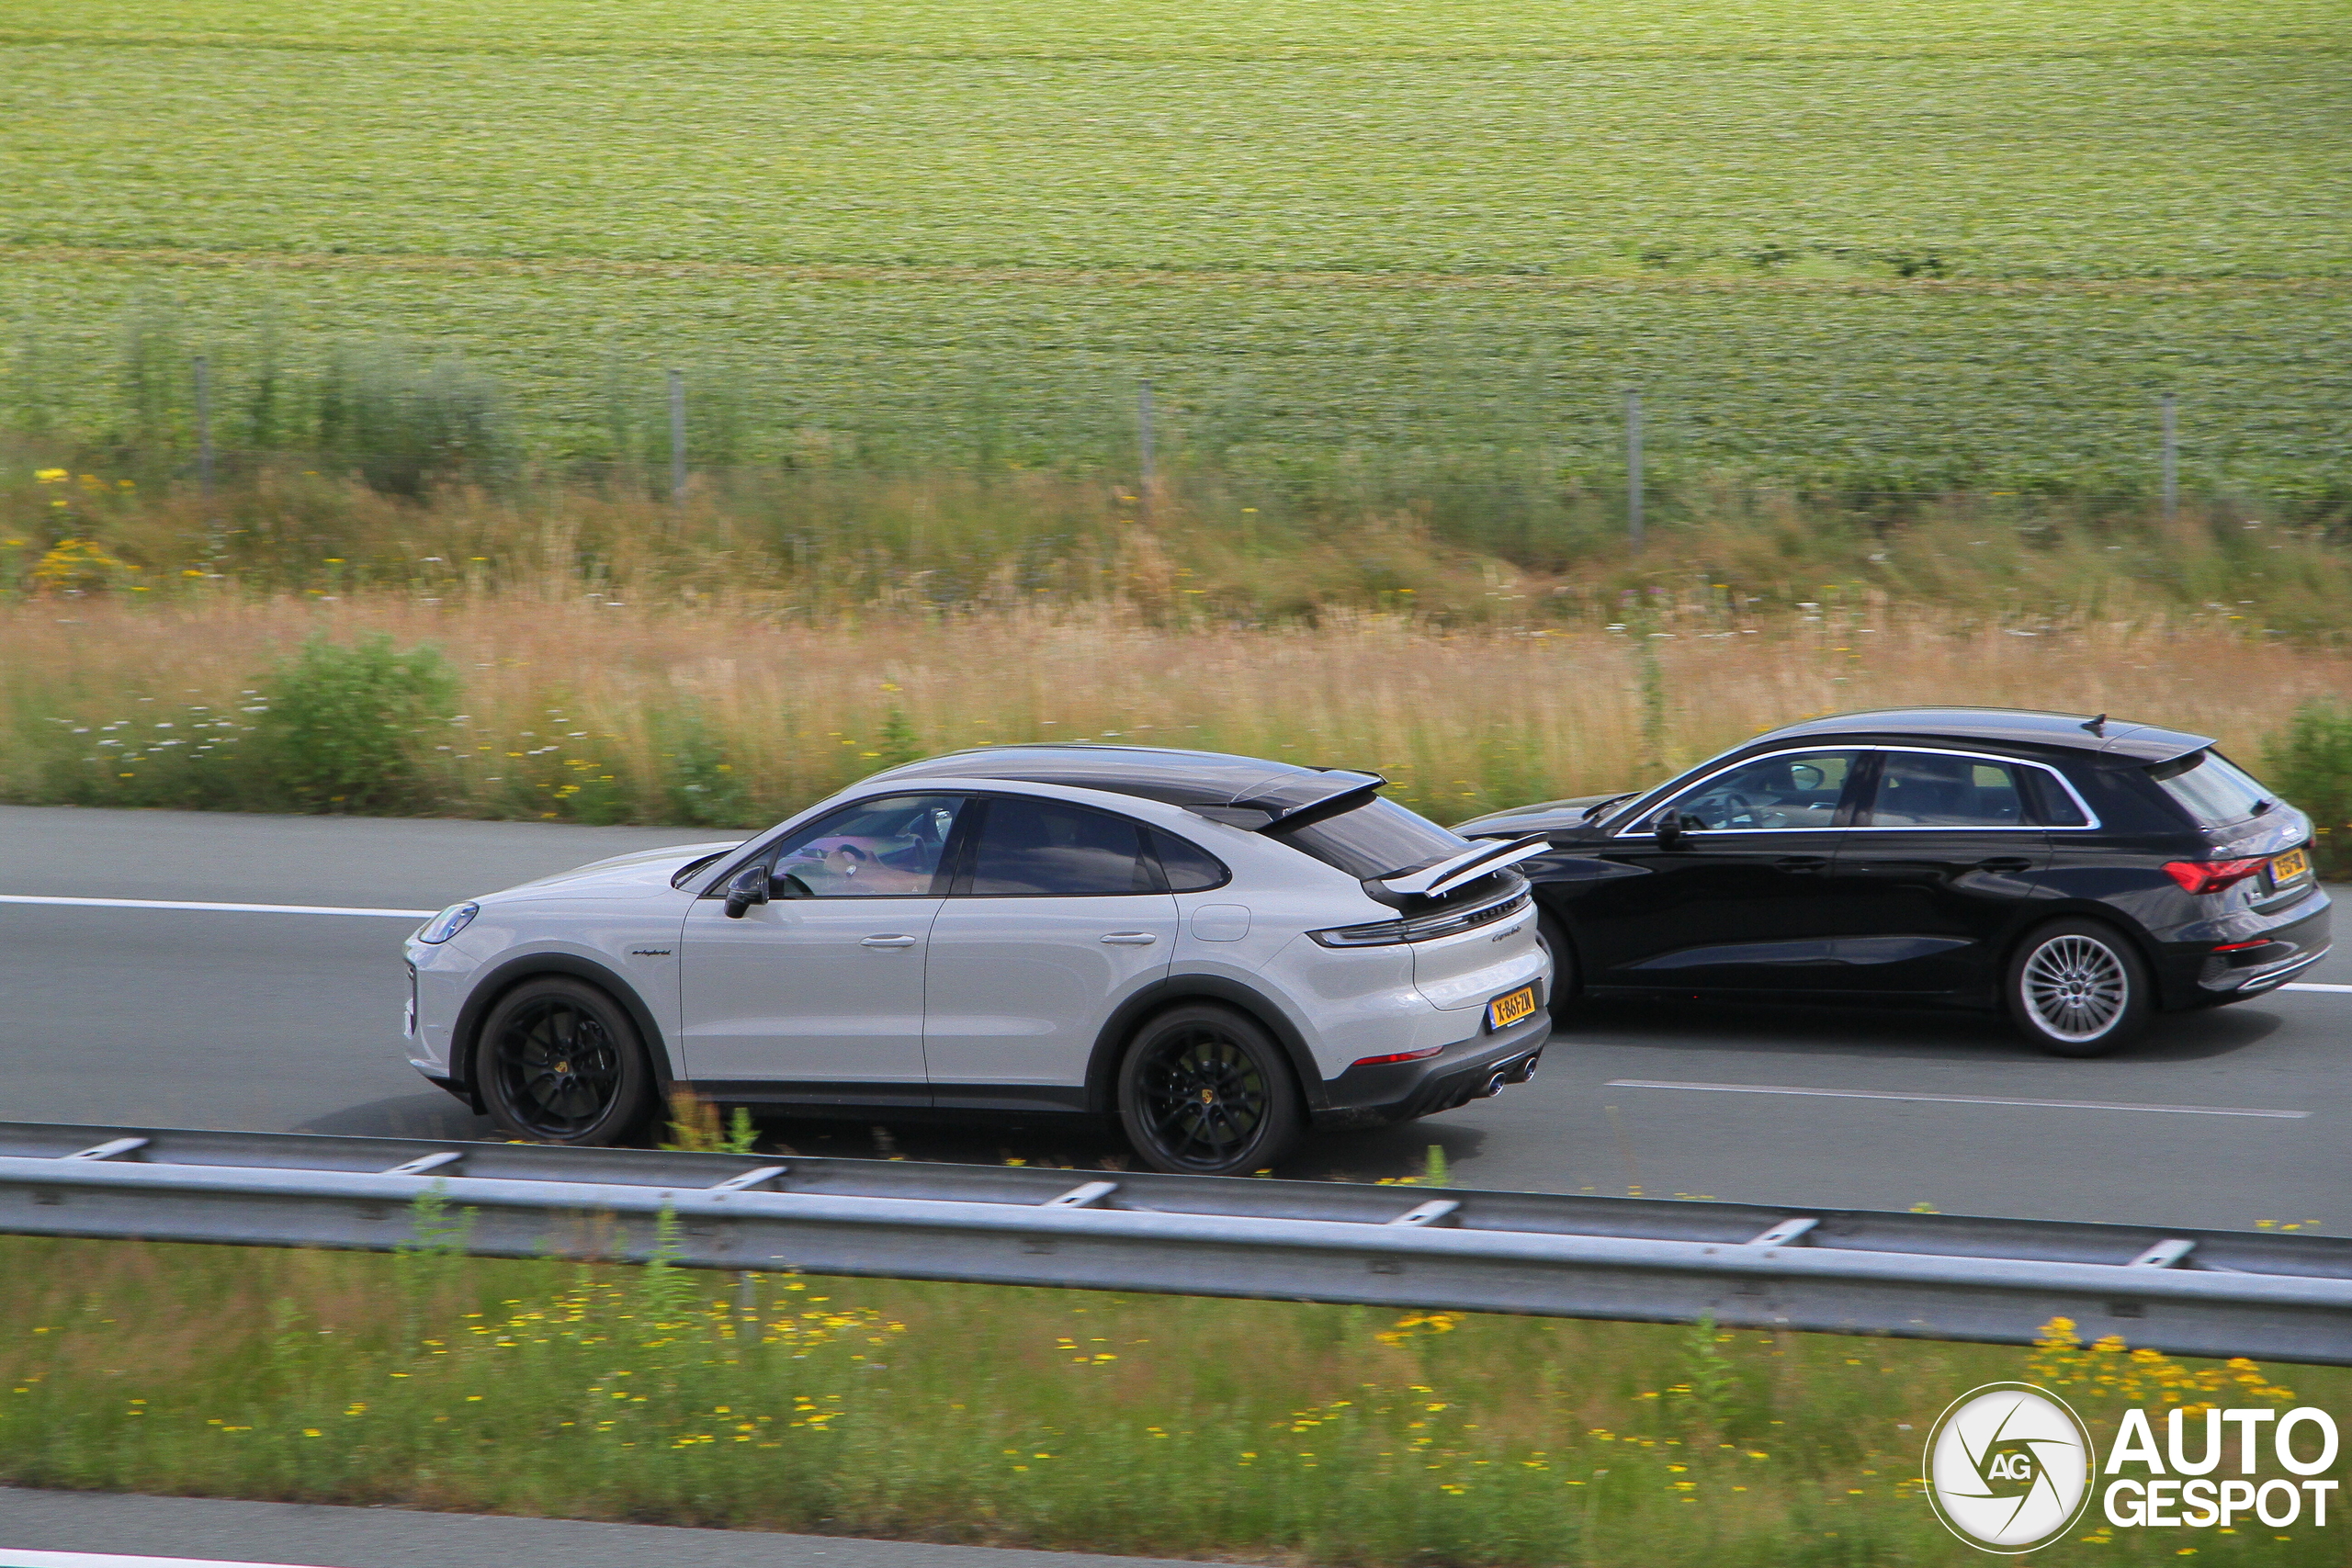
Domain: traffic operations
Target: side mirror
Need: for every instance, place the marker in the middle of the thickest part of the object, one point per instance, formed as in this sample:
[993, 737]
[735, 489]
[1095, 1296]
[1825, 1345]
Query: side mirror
[1668, 825]
[750, 887]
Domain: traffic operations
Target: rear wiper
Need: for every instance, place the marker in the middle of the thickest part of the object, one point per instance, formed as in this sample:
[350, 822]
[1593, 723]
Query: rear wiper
[2260, 806]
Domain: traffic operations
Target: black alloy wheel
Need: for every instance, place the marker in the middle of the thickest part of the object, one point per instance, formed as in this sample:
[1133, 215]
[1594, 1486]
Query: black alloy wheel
[1204, 1091]
[560, 1062]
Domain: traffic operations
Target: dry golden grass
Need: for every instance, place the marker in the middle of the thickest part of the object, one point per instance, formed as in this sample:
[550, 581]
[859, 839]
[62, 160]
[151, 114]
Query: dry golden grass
[597, 708]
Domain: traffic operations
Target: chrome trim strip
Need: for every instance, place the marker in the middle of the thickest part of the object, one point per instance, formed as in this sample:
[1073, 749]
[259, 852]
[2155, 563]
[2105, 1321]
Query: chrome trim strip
[1642, 808]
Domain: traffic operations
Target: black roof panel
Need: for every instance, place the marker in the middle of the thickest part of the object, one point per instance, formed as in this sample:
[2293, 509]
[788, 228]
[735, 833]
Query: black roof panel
[1179, 778]
[2116, 738]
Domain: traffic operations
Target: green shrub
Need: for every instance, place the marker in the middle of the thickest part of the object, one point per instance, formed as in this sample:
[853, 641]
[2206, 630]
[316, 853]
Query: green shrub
[405, 425]
[340, 727]
[702, 787]
[2309, 762]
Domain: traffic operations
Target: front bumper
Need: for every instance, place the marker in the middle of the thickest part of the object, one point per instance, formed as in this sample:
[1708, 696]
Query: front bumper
[1399, 1091]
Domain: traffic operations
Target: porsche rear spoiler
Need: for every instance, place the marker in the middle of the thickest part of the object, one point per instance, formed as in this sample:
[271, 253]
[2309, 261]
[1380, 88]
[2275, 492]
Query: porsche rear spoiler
[1436, 881]
[1295, 801]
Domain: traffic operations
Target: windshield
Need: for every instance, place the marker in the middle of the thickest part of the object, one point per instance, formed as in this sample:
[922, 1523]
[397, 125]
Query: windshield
[2216, 792]
[1379, 838]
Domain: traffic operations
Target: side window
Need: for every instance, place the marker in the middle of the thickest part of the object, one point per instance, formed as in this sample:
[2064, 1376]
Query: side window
[877, 849]
[1190, 868]
[1785, 792]
[2048, 802]
[1029, 846]
[1917, 790]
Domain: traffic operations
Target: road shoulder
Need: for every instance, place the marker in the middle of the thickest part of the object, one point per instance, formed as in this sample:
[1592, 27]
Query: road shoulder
[317, 1535]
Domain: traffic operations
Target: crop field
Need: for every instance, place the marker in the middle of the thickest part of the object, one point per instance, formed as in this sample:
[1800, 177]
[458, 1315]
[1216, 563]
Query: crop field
[1915, 246]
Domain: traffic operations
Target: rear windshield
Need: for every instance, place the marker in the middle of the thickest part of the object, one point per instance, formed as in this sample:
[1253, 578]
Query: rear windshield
[2212, 789]
[1379, 838]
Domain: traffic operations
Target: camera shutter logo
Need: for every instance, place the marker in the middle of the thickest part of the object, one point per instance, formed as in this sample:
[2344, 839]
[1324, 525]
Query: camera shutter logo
[2009, 1467]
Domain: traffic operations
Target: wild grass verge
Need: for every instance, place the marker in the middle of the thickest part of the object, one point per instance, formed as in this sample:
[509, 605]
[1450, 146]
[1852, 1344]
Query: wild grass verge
[586, 707]
[1252, 1431]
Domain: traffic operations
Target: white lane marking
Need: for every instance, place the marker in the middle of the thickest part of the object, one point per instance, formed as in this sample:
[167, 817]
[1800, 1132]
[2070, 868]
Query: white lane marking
[98, 1560]
[1957, 1099]
[2314, 985]
[215, 908]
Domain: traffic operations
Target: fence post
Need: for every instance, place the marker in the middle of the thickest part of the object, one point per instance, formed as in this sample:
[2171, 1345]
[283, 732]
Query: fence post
[1142, 438]
[2171, 459]
[1633, 467]
[204, 424]
[678, 437]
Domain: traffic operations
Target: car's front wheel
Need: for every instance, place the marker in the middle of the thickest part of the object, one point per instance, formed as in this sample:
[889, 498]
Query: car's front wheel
[1204, 1091]
[560, 1062]
[2078, 988]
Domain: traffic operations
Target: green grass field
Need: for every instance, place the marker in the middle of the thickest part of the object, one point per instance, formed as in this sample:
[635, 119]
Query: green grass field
[1911, 246]
[1233, 1431]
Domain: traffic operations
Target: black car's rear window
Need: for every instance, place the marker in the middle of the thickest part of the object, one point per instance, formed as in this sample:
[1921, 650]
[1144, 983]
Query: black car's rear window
[1379, 838]
[2212, 789]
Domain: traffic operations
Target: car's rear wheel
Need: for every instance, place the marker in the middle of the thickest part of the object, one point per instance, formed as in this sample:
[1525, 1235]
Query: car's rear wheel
[2078, 988]
[560, 1062]
[1204, 1091]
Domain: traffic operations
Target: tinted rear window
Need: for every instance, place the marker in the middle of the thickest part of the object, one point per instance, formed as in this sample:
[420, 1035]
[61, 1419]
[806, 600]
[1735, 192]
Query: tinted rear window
[2212, 790]
[2051, 806]
[1046, 847]
[1379, 838]
[1190, 868]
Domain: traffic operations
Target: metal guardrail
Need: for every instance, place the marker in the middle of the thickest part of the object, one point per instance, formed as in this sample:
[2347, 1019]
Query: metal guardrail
[1849, 1272]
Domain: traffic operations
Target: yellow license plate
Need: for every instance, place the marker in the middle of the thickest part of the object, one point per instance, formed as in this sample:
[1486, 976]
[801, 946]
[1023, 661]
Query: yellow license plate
[2287, 867]
[1506, 1011]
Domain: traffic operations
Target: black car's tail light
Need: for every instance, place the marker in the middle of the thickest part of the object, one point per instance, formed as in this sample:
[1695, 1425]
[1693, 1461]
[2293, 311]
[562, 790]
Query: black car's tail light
[2211, 875]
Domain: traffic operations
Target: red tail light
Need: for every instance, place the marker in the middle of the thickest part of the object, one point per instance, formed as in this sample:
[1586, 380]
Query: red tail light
[2210, 875]
[1400, 1056]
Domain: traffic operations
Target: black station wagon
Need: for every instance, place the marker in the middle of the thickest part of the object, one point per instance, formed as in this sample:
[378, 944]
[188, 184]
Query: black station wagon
[2078, 873]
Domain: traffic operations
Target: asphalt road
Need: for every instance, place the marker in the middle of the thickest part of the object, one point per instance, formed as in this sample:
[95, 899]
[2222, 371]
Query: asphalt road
[2234, 1118]
[34, 1524]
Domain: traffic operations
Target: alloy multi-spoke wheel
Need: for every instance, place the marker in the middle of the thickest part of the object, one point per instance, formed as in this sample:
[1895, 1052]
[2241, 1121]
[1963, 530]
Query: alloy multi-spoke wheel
[560, 1063]
[2077, 990]
[1204, 1091]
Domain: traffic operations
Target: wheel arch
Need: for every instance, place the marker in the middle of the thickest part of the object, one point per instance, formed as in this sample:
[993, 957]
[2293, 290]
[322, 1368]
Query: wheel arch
[1111, 1043]
[2144, 947]
[487, 992]
[1552, 913]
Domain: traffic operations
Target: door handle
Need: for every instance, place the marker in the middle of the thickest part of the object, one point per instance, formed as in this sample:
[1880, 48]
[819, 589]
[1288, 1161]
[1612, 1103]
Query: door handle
[1801, 864]
[1131, 939]
[2004, 863]
[890, 940]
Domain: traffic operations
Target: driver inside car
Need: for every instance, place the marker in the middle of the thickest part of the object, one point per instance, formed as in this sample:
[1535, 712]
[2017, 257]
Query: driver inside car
[896, 852]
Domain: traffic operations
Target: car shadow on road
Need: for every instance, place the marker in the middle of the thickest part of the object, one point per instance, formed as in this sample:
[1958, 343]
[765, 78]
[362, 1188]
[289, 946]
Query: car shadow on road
[1077, 1143]
[433, 1115]
[1790, 1029]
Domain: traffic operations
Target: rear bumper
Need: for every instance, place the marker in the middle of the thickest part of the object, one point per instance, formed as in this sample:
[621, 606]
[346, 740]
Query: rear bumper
[1399, 1091]
[2268, 951]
